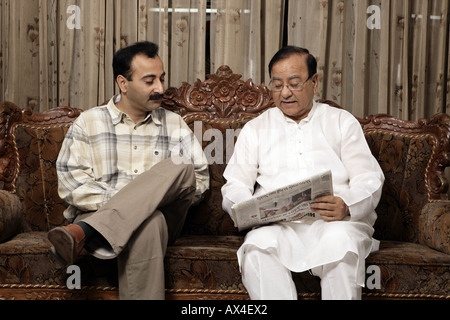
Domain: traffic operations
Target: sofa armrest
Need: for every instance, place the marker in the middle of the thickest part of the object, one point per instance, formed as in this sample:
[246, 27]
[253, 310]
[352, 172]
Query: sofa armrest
[10, 215]
[434, 225]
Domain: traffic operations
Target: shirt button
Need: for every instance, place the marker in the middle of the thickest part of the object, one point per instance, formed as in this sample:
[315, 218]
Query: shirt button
[136, 171]
[135, 147]
[156, 153]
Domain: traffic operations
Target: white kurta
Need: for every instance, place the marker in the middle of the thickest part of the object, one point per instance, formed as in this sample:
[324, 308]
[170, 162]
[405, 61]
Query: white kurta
[273, 151]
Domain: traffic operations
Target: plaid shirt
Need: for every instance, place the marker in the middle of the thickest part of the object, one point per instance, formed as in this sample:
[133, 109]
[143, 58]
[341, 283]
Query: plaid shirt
[104, 150]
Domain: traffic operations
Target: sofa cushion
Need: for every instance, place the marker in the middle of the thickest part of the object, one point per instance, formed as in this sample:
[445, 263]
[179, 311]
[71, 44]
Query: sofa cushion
[410, 270]
[37, 183]
[435, 224]
[10, 215]
[25, 260]
[404, 159]
[209, 264]
[218, 138]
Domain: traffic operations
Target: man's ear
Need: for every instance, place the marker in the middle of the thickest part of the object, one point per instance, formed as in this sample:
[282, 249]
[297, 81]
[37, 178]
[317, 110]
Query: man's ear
[315, 81]
[122, 82]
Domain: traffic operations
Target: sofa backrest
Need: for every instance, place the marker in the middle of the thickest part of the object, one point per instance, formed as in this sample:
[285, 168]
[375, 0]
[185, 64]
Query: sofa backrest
[30, 146]
[216, 109]
[413, 155]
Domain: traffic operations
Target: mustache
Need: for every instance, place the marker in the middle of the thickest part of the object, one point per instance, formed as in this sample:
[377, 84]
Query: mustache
[156, 97]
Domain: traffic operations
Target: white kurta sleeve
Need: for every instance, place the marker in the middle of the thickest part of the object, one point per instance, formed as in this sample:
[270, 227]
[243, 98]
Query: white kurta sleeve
[365, 175]
[241, 171]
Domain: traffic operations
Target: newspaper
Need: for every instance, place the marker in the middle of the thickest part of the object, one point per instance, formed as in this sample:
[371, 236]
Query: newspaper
[288, 203]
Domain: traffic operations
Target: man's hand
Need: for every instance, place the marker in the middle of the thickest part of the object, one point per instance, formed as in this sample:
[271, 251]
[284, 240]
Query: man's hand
[331, 208]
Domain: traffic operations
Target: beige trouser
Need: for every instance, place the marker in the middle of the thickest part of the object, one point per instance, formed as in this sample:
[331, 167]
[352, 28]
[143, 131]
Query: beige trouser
[140, 221]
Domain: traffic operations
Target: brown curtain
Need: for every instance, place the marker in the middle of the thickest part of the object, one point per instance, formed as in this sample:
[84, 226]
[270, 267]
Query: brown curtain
[59, 52]
[385, 56]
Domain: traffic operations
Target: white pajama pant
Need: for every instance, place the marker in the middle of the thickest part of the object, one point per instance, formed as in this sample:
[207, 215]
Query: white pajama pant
[266, 278]
[334, 251]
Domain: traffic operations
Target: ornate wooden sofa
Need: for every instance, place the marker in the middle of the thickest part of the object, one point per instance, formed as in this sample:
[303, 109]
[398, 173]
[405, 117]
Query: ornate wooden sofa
[413, 223]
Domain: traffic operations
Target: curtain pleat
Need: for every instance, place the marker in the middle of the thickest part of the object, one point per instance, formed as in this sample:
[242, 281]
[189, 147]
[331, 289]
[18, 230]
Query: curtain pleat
[229, 33]
[20, 52]
[272, 35]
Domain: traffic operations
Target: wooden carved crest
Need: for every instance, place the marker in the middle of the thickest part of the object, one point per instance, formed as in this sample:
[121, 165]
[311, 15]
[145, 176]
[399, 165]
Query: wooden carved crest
[222, 96]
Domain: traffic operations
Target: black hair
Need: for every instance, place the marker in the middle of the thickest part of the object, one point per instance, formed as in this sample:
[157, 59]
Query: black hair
[286, 52]
[122, 59]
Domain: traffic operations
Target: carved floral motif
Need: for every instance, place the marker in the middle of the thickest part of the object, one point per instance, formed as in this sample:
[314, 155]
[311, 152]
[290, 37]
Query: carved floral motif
[221, 96]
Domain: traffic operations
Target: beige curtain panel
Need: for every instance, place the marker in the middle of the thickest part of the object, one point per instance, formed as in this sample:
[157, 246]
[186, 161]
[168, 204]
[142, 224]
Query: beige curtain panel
[385, 56]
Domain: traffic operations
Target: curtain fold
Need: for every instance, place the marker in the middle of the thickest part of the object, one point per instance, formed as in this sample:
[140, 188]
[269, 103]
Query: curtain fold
[245, 34]
[231, 41]
[20, 52]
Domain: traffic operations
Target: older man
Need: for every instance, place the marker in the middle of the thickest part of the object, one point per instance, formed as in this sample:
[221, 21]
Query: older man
[284, 145]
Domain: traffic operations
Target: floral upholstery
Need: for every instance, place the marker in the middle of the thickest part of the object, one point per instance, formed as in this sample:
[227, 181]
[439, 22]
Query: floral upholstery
[10, 215]
[413, 215]
[403, 160]
[37, 183]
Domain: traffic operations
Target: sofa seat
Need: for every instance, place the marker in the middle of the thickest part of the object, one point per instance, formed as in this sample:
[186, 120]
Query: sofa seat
[25, 259]
[410, 270]
[207, 265]
[28, 272]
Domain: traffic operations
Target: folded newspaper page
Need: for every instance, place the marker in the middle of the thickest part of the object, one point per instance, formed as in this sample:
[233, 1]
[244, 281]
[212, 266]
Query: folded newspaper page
[289, 203]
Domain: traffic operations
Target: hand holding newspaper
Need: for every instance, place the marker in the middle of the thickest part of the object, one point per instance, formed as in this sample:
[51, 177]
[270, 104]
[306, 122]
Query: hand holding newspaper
[288, 203]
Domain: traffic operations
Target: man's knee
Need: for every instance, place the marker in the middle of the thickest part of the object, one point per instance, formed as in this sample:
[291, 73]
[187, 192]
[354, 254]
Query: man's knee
[252, 258]
[155, 227]
[150, 240]
[188, 171]
[337, 235]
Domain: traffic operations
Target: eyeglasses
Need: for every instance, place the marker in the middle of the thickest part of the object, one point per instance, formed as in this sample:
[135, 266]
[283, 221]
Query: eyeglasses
[278, 86]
